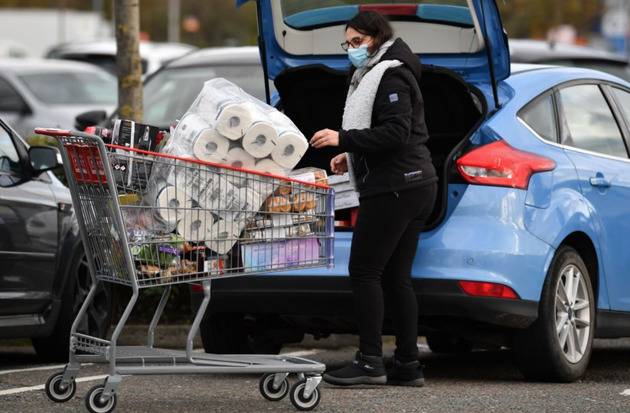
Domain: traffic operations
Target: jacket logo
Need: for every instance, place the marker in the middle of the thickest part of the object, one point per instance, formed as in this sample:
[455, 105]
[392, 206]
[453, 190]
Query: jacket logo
[393, 98]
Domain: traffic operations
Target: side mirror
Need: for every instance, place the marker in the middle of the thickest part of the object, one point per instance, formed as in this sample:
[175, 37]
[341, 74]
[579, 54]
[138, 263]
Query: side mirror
[91, 118]
[44, 158]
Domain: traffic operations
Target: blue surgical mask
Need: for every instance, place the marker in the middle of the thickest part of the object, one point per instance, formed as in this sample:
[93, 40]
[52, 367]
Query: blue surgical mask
[358, 56]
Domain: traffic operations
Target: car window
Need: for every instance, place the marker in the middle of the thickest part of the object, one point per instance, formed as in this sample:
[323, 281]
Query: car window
[589, 122]
[71, 88]
[623, 98]
[169, 93]
[540, 116]
[10, 100]
[10, 166]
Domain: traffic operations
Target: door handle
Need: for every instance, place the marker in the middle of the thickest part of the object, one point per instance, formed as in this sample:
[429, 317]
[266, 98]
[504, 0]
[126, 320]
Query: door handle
[599, 181]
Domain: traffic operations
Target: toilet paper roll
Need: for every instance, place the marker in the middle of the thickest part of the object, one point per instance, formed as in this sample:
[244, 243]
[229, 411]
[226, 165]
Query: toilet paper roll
[289, 149]
[239, 158]
[270, 167]
[234, 119]
[223, 235]
[260, 139]
[172, 203]
[194, 225]
[219, 196]
[188, 130]
[210, 146]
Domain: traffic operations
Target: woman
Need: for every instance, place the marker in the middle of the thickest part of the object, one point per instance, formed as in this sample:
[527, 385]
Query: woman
[384, 134]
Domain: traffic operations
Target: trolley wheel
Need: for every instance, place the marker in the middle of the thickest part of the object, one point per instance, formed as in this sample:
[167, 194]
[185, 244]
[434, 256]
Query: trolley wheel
[268, 392]
[58, 393]
[94, 402]
[302, 402]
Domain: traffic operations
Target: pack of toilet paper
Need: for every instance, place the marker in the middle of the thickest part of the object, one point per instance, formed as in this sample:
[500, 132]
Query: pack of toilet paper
[226, 126]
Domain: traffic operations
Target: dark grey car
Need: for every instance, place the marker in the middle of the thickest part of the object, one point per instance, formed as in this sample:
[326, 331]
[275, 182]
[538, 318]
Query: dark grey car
[44, 277]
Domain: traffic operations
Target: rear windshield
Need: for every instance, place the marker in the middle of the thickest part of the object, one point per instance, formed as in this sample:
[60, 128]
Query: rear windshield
[72, 88]
[310, 14]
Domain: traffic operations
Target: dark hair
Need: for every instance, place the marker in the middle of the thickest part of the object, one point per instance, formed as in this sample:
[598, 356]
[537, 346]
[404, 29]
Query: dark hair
[372, 24]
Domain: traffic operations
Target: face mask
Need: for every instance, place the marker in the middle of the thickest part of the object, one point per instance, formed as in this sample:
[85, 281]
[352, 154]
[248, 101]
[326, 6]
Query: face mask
[358, 56]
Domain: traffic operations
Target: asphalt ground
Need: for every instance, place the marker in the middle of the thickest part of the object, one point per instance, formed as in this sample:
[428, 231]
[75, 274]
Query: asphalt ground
[481, 381]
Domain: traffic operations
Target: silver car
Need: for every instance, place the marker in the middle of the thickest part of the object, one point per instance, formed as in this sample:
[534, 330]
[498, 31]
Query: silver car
[45, 92]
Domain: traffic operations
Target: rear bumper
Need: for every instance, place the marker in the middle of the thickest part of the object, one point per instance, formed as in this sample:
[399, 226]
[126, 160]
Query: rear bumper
[330, 297]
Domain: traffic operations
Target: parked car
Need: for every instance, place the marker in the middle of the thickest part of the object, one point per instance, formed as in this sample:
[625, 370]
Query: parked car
[103, 54]
[36, 92]
[44, 276]
[170, 91]
[525, 247]
[549, 53]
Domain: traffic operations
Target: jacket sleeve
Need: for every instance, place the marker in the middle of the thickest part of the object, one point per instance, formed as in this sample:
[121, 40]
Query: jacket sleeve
[392, 118]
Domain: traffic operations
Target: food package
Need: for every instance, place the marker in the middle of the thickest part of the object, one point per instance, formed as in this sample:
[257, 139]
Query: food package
[303, 201]
[278, 204]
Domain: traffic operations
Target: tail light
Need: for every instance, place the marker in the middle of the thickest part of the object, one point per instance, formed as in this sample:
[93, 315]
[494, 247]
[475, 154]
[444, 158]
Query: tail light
[196, 288]
[498, 164]
[391, 9]
[488, 289]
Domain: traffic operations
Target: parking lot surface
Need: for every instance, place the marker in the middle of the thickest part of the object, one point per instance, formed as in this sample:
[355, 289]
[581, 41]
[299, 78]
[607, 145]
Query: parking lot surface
[481, 381]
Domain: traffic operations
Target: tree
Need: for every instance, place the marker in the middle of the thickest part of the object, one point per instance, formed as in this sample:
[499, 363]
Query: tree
[127, 21]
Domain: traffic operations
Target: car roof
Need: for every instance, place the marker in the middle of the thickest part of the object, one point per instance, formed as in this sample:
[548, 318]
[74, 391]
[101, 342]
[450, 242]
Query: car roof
[109, 47]
[38, 65]
[218, 56]
[528, 50]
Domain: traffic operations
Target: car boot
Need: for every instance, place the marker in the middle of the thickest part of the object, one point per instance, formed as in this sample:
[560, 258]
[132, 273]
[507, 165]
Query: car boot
[405, 374]
[363, 370]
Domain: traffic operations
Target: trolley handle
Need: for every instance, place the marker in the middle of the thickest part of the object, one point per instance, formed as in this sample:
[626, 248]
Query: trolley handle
[53, 132]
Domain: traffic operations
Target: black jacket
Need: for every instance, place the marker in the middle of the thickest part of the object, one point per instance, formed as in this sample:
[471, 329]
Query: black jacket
[392, 154]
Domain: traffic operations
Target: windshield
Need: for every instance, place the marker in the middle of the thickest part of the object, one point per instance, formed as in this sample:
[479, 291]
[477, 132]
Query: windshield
[310, 14]
[169, 93]
[72, 88]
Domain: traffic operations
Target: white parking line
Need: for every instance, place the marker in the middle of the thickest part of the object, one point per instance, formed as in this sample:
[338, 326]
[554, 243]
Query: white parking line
[626, 392]
[55, 367]
[41, 386]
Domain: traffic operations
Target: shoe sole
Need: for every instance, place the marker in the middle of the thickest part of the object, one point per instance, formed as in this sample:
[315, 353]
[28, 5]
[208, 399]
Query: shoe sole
[408, 383]
[354, 380]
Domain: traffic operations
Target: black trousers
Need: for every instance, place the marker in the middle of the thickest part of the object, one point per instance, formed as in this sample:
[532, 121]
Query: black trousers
[384, 244]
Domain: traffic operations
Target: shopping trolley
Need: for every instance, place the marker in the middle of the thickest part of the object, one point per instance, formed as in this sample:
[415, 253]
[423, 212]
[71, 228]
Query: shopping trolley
[152, 220]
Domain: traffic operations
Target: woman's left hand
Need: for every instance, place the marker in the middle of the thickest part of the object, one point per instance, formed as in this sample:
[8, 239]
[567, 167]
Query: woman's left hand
[325, 137]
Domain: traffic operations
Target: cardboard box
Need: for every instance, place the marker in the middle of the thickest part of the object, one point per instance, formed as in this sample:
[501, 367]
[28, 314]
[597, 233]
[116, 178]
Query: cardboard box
[281, 254]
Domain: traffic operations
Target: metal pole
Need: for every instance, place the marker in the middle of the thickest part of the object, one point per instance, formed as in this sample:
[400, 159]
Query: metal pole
[174, 18]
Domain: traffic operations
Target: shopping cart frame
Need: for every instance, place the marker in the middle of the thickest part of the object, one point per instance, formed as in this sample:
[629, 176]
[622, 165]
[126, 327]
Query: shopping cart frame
[149, 360]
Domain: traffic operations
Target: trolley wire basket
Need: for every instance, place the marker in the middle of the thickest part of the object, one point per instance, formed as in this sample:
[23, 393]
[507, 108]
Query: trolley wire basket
[153, 220]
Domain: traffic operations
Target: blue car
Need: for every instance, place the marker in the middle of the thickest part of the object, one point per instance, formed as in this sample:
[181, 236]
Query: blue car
[526, 246]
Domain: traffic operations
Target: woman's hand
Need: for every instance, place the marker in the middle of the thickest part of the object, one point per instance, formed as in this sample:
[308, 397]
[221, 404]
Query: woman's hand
[325, 137]
[339, 164]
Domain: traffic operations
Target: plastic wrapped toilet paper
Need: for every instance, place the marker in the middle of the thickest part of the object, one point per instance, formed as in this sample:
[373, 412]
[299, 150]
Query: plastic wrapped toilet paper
[239, 158]
[270, 167]
[219, 196]
[210, 146]
[289, 149]
[223, 235]
[172, 203]
[194, 224]
[260, 139]
[234, 119]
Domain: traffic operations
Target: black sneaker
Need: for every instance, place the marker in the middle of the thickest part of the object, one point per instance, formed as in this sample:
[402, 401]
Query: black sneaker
[363, 370]
[405, 374]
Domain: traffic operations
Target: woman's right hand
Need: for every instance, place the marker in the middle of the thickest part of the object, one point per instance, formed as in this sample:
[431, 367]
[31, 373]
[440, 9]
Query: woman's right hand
[339, 164]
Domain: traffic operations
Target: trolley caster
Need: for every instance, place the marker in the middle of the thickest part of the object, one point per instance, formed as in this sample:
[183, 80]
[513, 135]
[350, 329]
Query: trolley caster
[58, 392]
[272, 389]
[305, 395]
[95, 403]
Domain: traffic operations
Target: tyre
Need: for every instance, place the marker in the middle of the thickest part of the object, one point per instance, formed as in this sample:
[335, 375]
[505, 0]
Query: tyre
[229, 333]
[269, 392]
[95, 404]
[95, 323]
[300, 401]
[447, 344]
[58, 393]
[557, 347]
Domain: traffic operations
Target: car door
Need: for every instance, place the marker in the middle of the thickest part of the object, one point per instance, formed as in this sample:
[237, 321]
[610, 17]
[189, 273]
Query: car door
[593, 137]
[28, 232]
